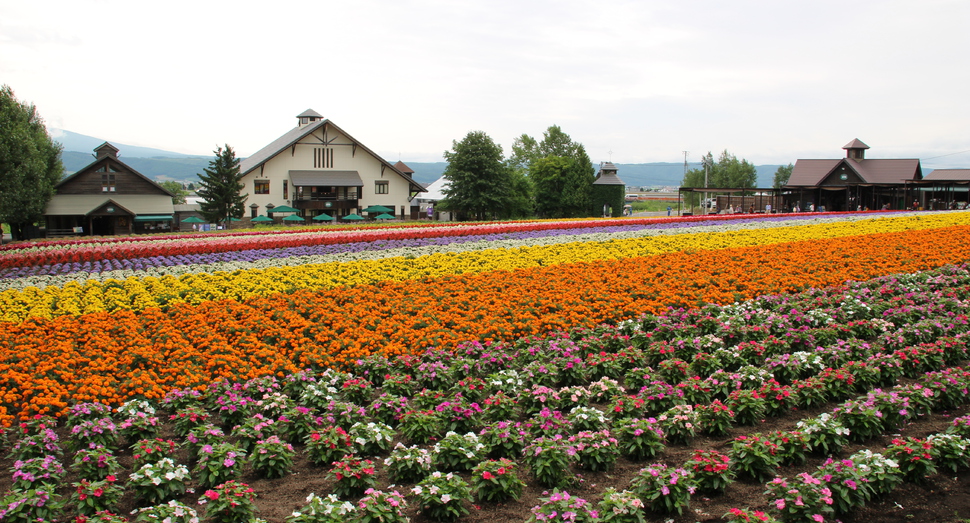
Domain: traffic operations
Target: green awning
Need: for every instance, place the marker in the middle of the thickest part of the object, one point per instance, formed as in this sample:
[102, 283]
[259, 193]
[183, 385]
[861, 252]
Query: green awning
[153, 218]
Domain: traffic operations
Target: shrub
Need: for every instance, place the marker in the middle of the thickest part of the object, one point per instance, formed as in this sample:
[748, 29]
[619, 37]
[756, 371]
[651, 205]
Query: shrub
[496, 480]
[443, 496]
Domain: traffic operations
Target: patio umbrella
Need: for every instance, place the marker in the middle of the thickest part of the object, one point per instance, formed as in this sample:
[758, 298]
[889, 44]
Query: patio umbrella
[261, 218]
[385, 216]
[293, 218]
[353, 217]
[233, 219]
[283, 208]
[322, 217]
[377, 208]
[193, 219]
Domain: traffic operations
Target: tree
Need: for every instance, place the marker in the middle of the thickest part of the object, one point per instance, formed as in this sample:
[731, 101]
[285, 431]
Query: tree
[479, 182]
[566, 192]
[782, 175]
[220, 188]
[30, 164]
[178, 191]
[728, 173]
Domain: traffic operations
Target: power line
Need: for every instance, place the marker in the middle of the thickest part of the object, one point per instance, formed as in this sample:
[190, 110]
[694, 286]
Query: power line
[950, 154]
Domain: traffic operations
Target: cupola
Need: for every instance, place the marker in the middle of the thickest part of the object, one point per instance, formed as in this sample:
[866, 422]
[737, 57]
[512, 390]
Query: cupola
[855, 150]
[308, 117]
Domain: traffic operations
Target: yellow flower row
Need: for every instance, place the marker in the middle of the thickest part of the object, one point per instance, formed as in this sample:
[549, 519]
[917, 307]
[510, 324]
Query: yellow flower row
[140, 293]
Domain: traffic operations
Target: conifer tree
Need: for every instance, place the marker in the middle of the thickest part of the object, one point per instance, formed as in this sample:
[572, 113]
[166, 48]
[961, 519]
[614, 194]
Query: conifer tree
[221, 188]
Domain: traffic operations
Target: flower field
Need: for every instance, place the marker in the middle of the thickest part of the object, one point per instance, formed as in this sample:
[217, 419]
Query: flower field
[548, 347]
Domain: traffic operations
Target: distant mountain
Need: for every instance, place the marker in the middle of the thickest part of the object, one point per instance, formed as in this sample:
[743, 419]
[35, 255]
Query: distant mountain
[162, 165]
[82, 143]
[156, 164]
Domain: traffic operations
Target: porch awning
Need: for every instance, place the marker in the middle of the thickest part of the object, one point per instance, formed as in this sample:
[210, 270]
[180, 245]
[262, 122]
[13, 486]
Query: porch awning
[153, 218]
[326, 179]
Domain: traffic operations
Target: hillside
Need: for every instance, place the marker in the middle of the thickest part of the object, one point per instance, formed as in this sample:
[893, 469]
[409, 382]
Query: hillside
[162, 165]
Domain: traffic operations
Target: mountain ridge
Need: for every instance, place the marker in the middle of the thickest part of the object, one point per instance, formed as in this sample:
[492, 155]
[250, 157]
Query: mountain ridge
[161, 165]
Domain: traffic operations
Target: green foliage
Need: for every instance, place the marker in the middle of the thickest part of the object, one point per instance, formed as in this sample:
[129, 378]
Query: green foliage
[480, 183]
[727, 172]
[782, 175]
[443, 496]
[178, 192]
[221, 187]
[561, 173]
[30, 164]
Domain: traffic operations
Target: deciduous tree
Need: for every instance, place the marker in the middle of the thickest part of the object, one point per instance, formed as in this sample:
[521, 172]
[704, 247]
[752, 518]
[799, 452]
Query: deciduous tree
[782, 175]
[479, 180]
[568, 192]
[30, 164]
[178, 191]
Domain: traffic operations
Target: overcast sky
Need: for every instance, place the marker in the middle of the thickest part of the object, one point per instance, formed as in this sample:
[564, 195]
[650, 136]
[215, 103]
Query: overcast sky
[770, 81]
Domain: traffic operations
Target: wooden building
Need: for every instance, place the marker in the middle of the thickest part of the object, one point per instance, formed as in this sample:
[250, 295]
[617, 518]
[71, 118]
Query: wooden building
[317, 167]
[108, 198]
[854, 182]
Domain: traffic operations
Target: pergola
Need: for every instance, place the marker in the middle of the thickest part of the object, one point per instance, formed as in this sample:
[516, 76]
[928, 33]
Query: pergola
[741, 198]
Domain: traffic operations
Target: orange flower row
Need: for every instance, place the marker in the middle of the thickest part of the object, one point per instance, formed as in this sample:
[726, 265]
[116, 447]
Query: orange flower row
[113, 357]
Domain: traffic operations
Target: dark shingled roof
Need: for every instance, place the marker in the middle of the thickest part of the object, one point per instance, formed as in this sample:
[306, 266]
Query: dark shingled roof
[949, 175]
[855, 144]
[607, 175]
[812, 173]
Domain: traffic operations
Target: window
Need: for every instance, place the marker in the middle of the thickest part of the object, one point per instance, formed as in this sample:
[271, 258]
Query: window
[323, 158]
[380, 187]
[261, 186]
[286, 190]
[107, 182]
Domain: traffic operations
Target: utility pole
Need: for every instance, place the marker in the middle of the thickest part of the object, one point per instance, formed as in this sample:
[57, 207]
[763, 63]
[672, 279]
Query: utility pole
[707, 209]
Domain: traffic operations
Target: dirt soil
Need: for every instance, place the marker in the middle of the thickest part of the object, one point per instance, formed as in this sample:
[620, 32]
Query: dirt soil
[943, 498]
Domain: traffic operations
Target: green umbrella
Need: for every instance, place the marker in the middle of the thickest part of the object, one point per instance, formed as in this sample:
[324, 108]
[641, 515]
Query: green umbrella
[235, 219]
[293, 218]
[385, 216]
[262, 219]
[353, 217]
[322, 217]
[283, 208]
[193, 219]
[377, 208]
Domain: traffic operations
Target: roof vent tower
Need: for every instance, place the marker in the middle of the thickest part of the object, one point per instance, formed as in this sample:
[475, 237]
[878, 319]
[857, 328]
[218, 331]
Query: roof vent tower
[308, 117]
[855, 150]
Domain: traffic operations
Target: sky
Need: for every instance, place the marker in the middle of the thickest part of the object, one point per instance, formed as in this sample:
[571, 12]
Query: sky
[633, 81]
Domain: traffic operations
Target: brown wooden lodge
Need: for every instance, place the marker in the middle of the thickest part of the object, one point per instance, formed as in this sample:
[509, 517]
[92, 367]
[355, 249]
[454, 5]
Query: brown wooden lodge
[106, 198]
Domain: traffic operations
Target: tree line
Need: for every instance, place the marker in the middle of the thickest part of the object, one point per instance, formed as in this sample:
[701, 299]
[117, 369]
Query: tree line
[550, 178]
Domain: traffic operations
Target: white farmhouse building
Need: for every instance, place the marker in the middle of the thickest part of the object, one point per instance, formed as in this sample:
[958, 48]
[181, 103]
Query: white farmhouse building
[318, 168]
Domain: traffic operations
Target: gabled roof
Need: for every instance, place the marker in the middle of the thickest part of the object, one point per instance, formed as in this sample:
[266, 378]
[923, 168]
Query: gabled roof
[607, 175]
[298, 133]
[403, 167]
[949, 175]
[435, 189]
[105, 159]
[810, 173]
